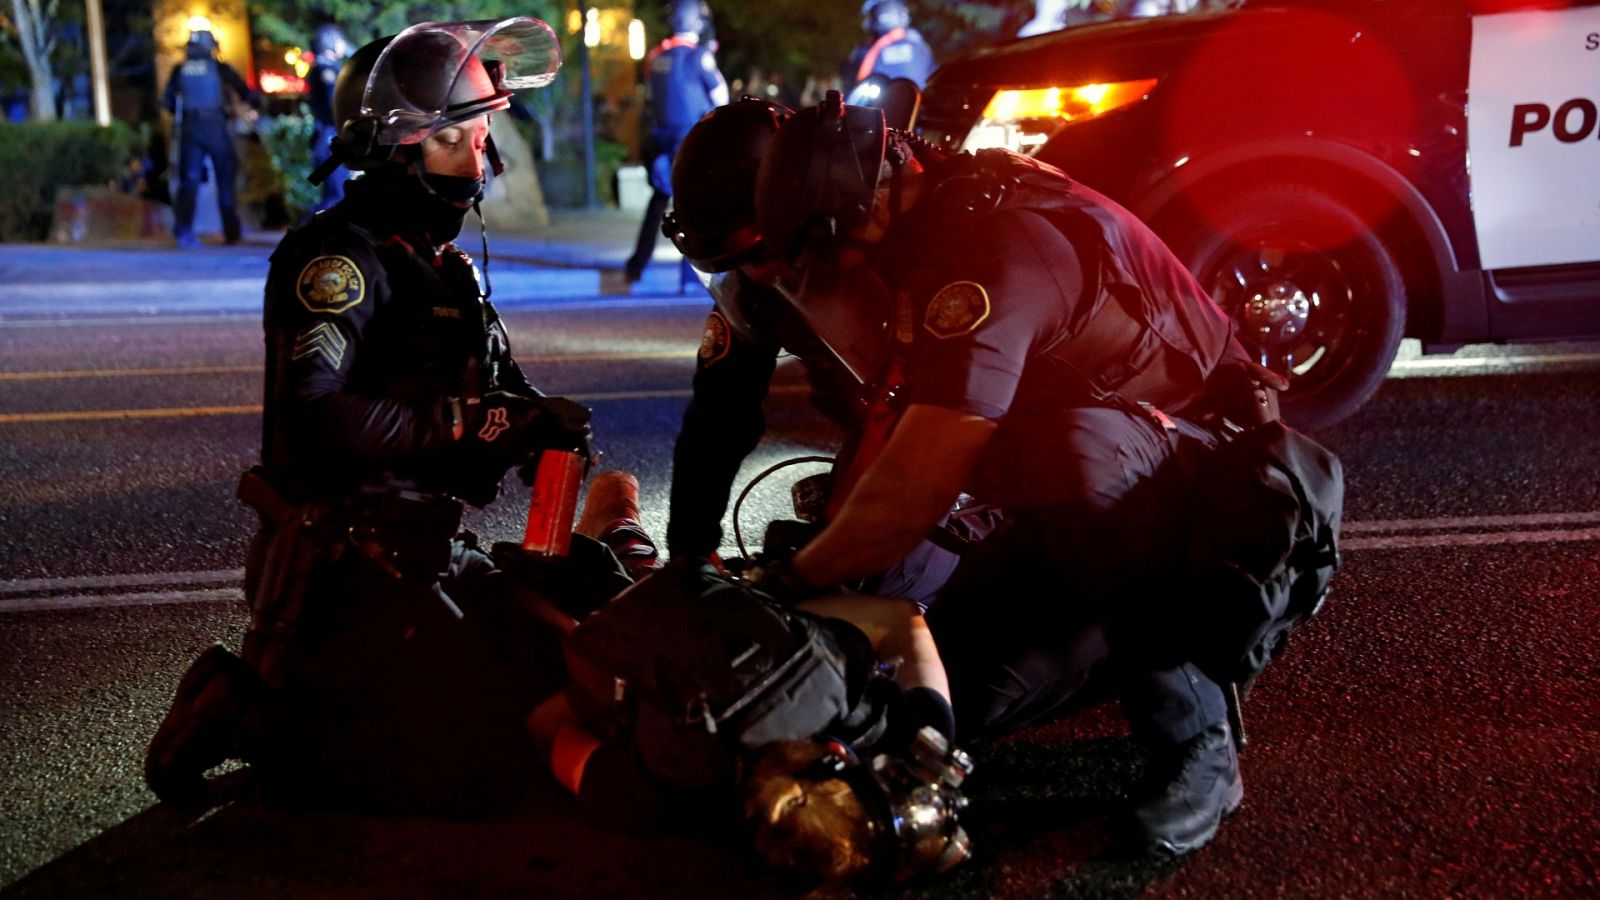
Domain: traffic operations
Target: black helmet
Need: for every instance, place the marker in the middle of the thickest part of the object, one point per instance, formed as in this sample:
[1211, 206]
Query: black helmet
[399, 90]
[819, 177]
[879, 17]
[201, 41]
[687, 16]
[713, 222]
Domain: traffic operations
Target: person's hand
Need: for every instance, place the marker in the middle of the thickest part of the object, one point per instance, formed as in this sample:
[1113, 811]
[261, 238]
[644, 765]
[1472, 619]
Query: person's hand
[775, 577]
[515, 426]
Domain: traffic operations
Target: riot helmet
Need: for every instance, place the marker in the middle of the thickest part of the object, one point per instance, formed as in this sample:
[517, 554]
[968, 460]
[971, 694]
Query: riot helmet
[819, 178]
[879, 17]
[713, 222]
[202, 42]
[397, 91]
[687, 16]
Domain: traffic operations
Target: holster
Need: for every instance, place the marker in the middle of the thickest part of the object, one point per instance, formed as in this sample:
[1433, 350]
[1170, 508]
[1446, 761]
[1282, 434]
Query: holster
[404, 535]
[297, 537]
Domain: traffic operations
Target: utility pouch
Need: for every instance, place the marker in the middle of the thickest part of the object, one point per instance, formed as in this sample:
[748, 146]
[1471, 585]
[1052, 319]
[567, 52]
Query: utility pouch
[407, 531]
[297, 538]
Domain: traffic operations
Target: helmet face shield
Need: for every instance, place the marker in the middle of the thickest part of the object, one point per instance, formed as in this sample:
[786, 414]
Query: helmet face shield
[819, 178]
[432, 74]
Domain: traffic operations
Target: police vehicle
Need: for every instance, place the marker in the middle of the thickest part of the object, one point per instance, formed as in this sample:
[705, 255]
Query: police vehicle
[1337, 174]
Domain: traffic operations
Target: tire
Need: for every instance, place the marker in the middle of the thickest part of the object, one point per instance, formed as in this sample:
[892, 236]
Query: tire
[1316, 294]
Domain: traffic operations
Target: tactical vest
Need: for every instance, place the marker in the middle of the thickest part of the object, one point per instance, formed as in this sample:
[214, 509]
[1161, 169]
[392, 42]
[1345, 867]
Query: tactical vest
[429, 332]
[1153, 335]
[677, 90]
[200, 86]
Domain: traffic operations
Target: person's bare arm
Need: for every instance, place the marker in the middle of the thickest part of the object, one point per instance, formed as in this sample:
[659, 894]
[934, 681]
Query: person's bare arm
[902, 495]
[896, 629]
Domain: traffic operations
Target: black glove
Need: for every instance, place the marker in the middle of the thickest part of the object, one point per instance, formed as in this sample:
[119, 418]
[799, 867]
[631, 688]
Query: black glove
[513, 427]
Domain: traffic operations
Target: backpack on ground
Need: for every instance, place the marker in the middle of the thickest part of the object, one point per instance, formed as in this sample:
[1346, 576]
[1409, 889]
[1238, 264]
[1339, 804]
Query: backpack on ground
[693, 669]
[1264, 511]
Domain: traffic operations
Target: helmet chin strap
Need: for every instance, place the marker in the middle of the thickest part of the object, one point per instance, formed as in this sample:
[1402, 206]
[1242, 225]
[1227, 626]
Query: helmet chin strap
[483, 234]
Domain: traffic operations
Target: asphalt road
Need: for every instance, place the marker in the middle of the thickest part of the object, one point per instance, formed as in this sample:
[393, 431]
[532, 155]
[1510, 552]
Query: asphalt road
[1436, 732]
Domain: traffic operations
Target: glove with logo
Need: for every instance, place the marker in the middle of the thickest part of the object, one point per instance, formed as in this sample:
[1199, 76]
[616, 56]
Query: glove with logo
[502, 429]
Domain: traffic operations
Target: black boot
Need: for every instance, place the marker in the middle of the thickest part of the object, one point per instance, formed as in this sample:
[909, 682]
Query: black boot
[202, 728]
[1189, 788]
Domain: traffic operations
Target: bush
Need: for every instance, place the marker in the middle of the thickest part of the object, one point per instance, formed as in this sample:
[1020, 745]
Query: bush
[37, 158]
[287, 139]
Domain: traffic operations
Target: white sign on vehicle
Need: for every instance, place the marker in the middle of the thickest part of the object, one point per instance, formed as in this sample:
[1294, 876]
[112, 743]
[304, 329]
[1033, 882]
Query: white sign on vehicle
[1533, 137]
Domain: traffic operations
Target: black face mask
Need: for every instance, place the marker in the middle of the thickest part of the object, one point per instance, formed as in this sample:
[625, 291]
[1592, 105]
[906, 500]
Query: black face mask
[457, 189]
[443, 202]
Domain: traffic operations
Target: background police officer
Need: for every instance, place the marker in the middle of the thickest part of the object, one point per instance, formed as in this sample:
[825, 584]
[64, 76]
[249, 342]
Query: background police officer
[329, 49]
[685, 84]
[391, 395]
[894, 50]
[197, 97]
[1012, 300]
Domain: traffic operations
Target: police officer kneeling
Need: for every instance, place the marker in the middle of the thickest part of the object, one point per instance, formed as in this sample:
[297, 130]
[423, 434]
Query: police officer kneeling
[1043, 343]
[369, 678]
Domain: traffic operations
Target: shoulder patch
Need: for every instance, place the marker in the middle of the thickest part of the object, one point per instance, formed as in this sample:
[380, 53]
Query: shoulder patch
[717, 340]
[958, 309]
[330, 284]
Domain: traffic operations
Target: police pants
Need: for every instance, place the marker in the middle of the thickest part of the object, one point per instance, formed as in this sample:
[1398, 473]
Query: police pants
[1054, 598]
[202, 138]
[390, 703]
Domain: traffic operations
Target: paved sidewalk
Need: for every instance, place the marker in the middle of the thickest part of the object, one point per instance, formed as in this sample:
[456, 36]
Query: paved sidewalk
[578, 257]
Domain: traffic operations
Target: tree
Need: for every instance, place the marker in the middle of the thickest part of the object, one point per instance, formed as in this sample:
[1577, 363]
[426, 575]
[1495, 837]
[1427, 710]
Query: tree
[31, 31]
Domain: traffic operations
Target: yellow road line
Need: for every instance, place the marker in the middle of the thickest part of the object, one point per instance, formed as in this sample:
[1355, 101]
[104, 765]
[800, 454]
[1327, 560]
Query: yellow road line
[49, 375]
[100, 415]
[127, 373]
[94, 415]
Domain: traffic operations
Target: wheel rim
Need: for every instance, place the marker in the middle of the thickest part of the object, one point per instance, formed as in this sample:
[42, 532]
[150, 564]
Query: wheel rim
[1295, 307]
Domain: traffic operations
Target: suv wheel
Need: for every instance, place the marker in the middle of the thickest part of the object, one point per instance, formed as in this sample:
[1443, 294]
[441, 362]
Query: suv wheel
[1316, 294]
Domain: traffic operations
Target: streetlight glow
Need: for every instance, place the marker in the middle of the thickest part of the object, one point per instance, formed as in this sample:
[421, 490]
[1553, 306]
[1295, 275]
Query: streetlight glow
[591, 27]
[636, 40]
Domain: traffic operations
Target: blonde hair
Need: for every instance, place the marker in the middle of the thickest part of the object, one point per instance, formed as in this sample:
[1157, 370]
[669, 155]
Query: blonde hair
[812, 828]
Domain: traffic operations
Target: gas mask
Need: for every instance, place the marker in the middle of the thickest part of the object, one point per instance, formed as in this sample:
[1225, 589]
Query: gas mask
[912, 799]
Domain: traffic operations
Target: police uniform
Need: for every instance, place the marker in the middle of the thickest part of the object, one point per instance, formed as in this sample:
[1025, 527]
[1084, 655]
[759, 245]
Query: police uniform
[744, 334]
[750, 326]
[395, 687]
[1023, 297]
[897, 53]
[196, 95]
[684, 83]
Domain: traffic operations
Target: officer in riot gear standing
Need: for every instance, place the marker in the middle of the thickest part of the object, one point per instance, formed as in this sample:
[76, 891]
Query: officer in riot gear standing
[1040, 347]
[329, 49]
[685, 84]
[197, 98]
[895, 50]
[368, 678]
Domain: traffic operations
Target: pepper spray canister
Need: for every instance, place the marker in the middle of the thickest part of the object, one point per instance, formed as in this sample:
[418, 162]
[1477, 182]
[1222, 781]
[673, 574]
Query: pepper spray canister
[554, 504]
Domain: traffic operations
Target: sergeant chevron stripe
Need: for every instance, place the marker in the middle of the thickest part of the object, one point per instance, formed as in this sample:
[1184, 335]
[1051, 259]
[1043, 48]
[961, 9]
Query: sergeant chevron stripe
[322, 338]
